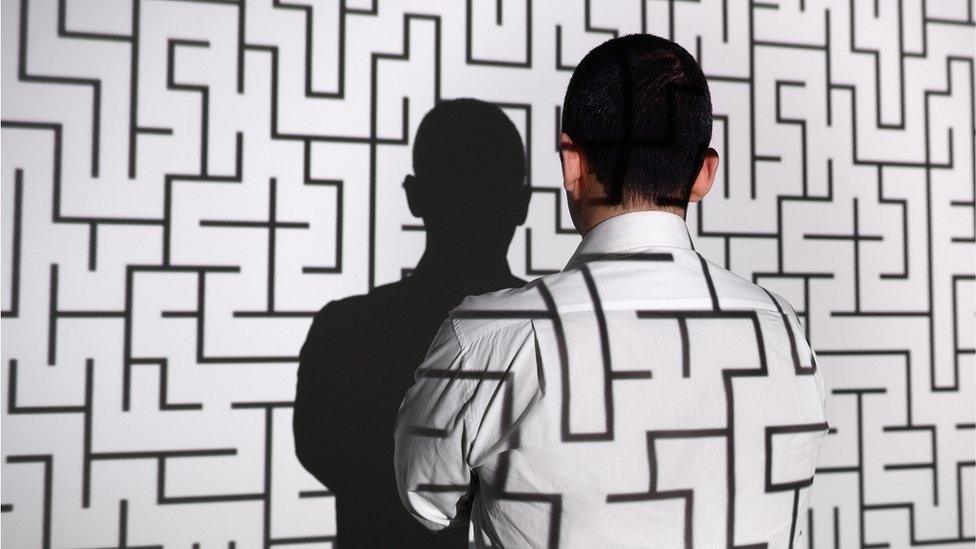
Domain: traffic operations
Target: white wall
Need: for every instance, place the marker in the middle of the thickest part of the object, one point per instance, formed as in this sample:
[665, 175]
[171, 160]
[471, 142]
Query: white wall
[130, 126]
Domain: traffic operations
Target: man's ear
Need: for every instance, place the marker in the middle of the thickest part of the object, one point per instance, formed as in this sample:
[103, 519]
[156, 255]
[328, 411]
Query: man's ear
[414, 200]
[572, 165]
[706, 176]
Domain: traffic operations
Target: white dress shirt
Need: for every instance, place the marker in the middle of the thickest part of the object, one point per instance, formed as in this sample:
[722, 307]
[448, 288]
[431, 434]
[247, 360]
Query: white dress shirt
[641, 397]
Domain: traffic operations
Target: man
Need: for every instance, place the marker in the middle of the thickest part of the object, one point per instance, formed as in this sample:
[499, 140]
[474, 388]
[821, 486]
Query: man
[641, 397]
[361, 352]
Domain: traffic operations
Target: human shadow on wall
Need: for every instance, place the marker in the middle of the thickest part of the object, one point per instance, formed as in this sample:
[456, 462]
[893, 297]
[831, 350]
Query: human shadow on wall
[361, 352]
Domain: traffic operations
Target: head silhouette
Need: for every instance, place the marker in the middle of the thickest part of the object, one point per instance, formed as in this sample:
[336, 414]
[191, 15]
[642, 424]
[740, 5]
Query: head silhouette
[469, 174]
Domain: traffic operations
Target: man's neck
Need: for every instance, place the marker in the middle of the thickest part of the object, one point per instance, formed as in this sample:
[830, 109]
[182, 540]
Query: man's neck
[596, 215]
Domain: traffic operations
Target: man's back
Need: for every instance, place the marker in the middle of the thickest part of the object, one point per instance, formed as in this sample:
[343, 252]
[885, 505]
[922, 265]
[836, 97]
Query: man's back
[641, 397]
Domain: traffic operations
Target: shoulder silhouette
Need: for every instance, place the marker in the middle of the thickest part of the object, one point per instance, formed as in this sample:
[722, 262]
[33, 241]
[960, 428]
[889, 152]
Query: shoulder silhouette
[361, 352]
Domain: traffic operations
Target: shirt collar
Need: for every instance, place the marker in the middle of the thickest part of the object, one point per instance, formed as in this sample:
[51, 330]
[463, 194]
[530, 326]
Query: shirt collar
[632, 231]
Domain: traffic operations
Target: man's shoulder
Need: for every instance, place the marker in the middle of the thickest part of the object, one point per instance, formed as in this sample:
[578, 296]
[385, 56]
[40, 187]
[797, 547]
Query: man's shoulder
[735, 291]
[512, 309]
[508, 309]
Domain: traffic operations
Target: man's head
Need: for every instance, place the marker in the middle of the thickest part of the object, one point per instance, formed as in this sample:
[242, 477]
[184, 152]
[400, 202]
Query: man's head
[469, 173]
[636, 124]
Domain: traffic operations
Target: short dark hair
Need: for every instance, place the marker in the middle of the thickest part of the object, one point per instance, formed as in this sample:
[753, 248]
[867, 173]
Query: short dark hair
[639, 108]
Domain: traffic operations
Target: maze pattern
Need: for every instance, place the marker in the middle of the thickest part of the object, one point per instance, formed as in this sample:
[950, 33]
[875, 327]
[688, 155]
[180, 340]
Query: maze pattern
[720, 397]
[185, 182]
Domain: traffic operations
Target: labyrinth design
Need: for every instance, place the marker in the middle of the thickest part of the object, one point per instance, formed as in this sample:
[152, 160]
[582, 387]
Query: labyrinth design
[185, 183]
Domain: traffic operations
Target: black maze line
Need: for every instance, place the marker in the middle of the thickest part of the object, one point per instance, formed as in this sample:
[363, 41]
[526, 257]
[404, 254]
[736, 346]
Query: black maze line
[588, 26]
[910, 425]
[85, 409]
[204, 91]
[526, 109]
[170, 179]
[561, 345]
[135, 128]
[24, 75]
[164, 404]
[268, 408]
[627, 256]
[805, 277]
[90, 456]
[200, 313]
[56, 314]
[482, 376]
[927, 164]
[310, 36]
[244, 48]
[542, 190]
[56, 177]
[530, 268]
[855, 238]
[796, 485]
[339, 186]
[498, 484]
[653, 493]
[728, 375]
[858, 470]
[609, 374]
[681, 316]
[798, 368]
[601, 322]
[161, 458]
[553, 316]
[469, 57]
[957, 350]
[373, 141]
[272, 225]
[47, 462]
[15, 252]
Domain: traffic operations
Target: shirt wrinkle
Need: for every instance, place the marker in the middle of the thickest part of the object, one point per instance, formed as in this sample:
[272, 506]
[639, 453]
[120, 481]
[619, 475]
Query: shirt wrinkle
[637, 415]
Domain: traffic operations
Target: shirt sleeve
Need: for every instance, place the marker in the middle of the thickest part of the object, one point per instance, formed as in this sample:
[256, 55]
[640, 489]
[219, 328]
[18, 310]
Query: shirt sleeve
[817, 373]
[818, 377]
[432, 434]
